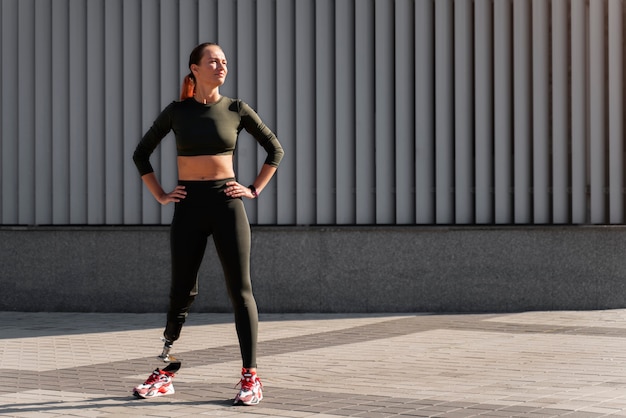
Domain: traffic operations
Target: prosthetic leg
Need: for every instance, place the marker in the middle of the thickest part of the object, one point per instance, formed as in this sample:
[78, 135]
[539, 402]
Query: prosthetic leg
[165, 354]
[171, 334]
[159, 383]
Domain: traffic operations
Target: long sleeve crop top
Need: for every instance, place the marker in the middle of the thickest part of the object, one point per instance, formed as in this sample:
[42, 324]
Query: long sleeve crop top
[206, 130]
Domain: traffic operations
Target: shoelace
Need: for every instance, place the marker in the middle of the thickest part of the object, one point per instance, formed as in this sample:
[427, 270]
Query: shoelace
[247, 382]
[154, 377]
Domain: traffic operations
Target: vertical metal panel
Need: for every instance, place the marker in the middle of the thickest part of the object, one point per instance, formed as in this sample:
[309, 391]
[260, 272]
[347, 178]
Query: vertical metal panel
[10, 125]
[95, 171]
[384, 113]
[266, 101]
[1, 104]
[597, 112]
[616, 111]
[151, 103]
[42, 163]
[59, 110]
[503, 111]
[364, 103]
[8, 71]
[79, 94]
[188, 22]
[463, 112]
[424, 112]
[579, 118]
[207, 21]
[522, 85]
[285, 113]
[483, 108]
[560, 113]
[444, 107]
[541, 112]
[410, 111]
[304, 114]
[345, 115]
[132, 99]
[26, 130]
[405, 126]
[325, 111]
[113, 115]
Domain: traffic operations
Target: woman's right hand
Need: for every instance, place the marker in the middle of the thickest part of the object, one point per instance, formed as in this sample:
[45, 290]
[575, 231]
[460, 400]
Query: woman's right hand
[175, 195]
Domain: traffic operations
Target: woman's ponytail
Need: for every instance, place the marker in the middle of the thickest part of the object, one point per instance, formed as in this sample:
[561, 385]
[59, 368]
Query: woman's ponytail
[188, 87]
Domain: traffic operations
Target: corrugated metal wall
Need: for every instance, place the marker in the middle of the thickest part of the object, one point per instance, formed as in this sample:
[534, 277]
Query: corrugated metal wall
[390, 112]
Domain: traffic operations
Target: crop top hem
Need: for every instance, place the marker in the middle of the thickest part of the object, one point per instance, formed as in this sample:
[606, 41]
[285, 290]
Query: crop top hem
[184, 154]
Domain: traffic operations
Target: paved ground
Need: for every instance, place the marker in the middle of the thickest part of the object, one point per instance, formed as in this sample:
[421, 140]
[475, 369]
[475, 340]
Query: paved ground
[534, 364]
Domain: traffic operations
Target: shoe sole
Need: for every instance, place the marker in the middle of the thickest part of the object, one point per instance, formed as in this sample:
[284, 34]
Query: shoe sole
[254, 401]
[154, 393]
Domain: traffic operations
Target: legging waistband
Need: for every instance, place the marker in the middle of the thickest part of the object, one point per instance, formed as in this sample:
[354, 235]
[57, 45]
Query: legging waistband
[205, 184]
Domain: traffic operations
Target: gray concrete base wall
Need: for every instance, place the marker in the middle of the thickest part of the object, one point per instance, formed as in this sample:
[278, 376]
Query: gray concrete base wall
[317, 269]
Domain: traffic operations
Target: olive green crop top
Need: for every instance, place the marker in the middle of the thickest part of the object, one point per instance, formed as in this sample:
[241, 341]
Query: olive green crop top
[206, 130]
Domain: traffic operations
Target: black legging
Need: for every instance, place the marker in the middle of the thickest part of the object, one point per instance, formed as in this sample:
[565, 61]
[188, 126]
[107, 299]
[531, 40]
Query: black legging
[208, 211]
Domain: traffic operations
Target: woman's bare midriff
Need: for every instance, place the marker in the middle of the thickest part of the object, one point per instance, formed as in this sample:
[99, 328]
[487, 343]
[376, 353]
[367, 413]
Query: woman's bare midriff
[205, 167]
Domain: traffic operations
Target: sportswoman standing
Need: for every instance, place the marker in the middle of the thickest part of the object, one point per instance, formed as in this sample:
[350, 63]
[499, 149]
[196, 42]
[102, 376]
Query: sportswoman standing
[208, 199]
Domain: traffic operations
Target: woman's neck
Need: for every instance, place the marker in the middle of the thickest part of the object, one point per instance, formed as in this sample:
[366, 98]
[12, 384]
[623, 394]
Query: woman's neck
[207, 96]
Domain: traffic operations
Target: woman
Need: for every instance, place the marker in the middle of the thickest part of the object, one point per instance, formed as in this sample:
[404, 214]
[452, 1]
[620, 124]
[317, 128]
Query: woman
[208, 198]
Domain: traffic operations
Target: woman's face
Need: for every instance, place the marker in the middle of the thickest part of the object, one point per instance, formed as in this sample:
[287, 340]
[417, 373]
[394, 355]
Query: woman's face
[212, 69]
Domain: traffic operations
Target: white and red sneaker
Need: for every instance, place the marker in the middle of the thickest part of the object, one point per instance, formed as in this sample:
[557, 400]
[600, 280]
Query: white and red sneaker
[251, 391]
[159, 383]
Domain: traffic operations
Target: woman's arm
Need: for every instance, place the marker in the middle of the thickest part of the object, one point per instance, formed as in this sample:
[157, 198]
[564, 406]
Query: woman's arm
[235, 189]
[264, 177]
[267, 139]
[159, 194]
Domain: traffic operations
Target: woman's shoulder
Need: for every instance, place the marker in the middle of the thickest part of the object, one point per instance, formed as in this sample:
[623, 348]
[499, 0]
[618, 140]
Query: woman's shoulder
[239, 106]
[182, 103]
[232, 103]
[182, 107]
[229, 101]
[174, 105]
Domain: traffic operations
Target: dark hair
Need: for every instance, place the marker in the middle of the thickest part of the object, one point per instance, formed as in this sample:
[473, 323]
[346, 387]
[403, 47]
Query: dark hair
[189, 82]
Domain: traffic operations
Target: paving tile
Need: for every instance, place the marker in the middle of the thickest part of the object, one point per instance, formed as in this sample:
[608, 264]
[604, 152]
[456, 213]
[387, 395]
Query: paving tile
[529, 364]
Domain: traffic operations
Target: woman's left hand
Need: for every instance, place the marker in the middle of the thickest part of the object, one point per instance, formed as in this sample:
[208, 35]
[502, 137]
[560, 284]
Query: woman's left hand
[235, 190]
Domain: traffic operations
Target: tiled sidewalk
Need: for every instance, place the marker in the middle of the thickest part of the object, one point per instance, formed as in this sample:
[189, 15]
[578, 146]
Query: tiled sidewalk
[537, 364]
